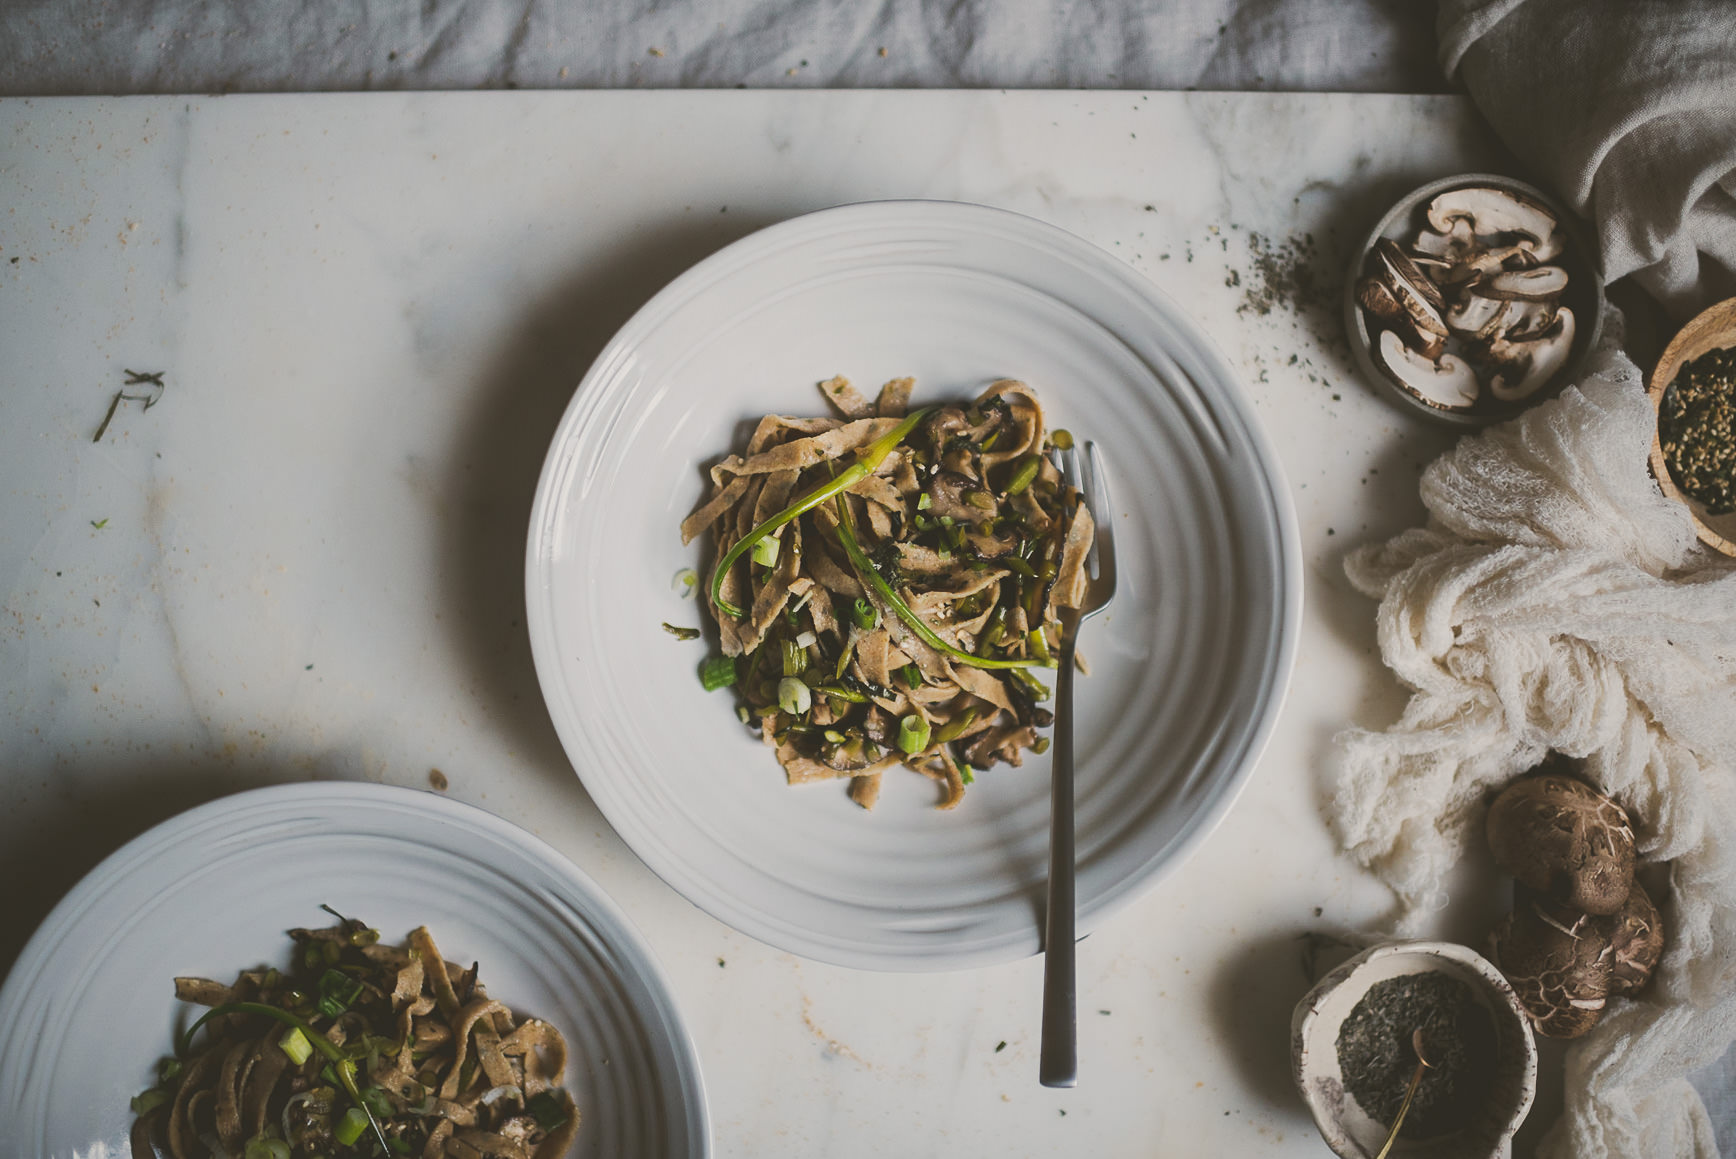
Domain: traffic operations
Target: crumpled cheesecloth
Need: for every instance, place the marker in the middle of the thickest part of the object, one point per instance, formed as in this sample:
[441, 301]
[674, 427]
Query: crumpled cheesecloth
[1556, 600]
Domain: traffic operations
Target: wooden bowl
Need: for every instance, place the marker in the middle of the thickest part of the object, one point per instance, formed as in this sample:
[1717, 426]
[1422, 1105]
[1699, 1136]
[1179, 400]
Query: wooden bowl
[1712, 329]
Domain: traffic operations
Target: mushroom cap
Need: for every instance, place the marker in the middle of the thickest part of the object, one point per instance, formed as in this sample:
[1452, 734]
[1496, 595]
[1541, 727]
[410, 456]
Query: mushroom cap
[1558, 962]
[1636, 942]
[1565, 840]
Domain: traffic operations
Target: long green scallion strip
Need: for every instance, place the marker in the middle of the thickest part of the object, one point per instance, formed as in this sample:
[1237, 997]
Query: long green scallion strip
[346, 1069]
[865, 568]
[868, 460]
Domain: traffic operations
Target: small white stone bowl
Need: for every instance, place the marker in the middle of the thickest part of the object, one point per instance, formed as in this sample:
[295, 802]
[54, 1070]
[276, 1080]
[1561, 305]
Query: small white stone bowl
[1314, 1054]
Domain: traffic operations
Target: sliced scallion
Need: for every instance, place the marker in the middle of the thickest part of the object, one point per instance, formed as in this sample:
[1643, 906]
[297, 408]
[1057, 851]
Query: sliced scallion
[295, 1044]
[795, 659]
[766, 551]
[147, 1101]
[717, 672]
[866, 615]
[967, 774]
[685, 583]
[1061, 439]
[349, 1128]
[1023, 474]
[924, 501]
[1039, 644]
[681, 633]
[806, 640]
[912, 676]
[794, 697]
[913, 733]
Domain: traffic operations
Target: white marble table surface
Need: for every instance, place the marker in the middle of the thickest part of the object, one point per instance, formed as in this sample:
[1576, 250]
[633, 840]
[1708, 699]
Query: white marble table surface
[306, 561]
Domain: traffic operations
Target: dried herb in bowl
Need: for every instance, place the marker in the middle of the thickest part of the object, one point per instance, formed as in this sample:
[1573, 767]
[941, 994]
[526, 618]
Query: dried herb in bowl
[1695, 421]
[1377, 1061]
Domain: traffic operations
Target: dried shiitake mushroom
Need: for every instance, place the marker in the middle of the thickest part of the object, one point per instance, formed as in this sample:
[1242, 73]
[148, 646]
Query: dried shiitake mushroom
[1557, 962]
[1636, 942]
[1562, 838]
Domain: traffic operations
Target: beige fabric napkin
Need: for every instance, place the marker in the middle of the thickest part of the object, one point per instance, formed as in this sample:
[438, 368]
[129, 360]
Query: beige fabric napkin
[1626, 110]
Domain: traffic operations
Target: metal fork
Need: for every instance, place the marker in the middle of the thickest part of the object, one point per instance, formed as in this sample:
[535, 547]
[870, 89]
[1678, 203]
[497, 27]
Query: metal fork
[1059, 1063]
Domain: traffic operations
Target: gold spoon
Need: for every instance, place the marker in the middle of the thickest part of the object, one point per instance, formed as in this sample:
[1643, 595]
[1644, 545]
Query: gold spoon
[1410, 1092]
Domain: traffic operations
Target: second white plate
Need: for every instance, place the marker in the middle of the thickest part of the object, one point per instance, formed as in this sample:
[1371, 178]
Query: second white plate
[1189, 664]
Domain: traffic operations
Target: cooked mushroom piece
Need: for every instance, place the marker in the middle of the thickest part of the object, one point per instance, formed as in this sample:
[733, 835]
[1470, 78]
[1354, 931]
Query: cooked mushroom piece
[1473, 314]
[1541, 284]
[1450, 245]
[1528, 365]
[1557, 962]
[1447, 382]
[1563, 839]
[1491, 212]
[1407, 271]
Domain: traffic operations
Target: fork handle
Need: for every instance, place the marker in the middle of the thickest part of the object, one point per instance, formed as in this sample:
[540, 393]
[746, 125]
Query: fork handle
[1058, 1065]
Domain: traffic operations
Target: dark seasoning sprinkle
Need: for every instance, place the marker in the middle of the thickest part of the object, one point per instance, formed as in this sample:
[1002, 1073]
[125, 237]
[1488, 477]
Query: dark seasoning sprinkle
[1695, 429]
[1375, 1055]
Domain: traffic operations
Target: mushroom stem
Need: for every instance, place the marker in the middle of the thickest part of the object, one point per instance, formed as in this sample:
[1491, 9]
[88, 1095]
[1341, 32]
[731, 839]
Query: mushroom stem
[1410, 1092]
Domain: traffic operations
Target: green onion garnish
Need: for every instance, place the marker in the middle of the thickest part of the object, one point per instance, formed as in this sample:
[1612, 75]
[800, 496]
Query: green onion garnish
[681, 633]
[265, 1147]
[376, 1102]
[1023, 474]
[795, 658]
[295, 1044]
[924, 501]
[349, 1128]
[1039, 646]
[912, 676]
[148, 1101]
[717, 672]
[1061, 439]
[867, 460]
[766, 551]
[794, 697]
[742, 713]
[913, 734]
[684, 583]
[952, 728]
[967, 774]
[866, 615]
[1038, 690]
[833, 735]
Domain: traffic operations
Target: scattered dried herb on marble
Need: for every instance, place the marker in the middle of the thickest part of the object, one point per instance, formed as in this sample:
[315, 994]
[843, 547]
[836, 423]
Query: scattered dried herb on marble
[1695, 429]
[1376, 1059]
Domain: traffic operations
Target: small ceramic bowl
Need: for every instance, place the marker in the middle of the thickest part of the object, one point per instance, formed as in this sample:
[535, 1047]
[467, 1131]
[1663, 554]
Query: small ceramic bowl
[1352, 1133]
[1402, 223]
[1712, 329]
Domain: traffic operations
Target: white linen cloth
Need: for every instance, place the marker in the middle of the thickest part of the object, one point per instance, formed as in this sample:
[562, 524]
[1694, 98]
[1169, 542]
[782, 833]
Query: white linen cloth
[1556, 600]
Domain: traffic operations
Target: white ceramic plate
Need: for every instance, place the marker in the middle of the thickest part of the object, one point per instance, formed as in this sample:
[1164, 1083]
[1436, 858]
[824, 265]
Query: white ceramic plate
[1188, 665]
[89, 1007]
